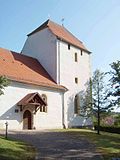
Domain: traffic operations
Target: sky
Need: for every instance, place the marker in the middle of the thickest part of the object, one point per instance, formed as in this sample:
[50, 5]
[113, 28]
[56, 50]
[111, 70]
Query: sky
[95, 22]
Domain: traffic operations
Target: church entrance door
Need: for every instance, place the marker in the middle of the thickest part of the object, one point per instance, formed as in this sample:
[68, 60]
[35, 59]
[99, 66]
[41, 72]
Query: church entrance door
[27, 120]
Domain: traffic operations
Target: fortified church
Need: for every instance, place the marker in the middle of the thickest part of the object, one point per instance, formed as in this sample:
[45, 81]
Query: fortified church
[46, 78]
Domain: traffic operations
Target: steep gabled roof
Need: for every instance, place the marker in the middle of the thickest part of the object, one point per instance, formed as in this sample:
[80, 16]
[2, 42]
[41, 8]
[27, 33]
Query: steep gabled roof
[29, 97]
[62, 33]
[24, 69]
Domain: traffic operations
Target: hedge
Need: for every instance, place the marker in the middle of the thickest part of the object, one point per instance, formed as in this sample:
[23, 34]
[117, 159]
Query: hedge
[111, 129]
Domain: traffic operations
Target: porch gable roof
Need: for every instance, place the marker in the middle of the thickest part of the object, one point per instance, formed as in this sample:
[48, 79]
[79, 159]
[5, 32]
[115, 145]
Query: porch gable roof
[32, 98]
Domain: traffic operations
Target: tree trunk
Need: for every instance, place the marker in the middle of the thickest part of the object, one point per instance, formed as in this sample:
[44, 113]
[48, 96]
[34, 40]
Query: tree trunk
[98, 128]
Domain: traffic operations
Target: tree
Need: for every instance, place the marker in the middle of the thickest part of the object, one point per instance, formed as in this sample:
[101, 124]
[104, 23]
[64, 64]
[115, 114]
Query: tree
[117, 119]
[86, 100]
[99, 91]
[114, 92]
[3, 83]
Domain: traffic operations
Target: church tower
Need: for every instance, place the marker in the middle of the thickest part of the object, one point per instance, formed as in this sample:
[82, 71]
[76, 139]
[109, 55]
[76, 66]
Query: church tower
[66, 60]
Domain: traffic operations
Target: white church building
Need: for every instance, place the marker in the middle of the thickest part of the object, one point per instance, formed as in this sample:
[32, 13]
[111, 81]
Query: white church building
[45, 79]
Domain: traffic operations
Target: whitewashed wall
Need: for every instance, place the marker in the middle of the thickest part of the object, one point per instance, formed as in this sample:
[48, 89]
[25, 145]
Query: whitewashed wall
[69, 69]
[15, 92]
[42, 46]
[60, 63]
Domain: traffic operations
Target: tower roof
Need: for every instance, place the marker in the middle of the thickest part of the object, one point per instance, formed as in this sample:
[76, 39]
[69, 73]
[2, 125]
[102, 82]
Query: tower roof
[61, 33]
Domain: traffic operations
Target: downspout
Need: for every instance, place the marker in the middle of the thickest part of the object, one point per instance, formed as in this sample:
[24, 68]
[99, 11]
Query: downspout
[58, 61]
[63, 108]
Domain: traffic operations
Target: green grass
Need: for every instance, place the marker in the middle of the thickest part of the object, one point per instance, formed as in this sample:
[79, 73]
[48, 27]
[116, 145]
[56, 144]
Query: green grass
[108, 144]
[15, 150]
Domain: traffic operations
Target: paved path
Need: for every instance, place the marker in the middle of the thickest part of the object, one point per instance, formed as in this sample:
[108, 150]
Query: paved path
[58, 145]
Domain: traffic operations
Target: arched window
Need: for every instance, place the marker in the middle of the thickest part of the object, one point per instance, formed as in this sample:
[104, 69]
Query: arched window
[77, 104]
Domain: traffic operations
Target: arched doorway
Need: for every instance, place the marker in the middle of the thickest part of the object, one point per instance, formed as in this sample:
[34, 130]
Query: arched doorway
[27, 120]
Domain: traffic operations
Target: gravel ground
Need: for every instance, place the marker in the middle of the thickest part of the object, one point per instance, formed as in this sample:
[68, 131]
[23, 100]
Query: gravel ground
[57, 145]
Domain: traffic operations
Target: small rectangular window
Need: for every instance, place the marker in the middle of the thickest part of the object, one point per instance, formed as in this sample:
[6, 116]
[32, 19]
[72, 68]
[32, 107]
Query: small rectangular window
[41, 109]
[16, 110]
[76, 80]
[76, 58]
[69, 46]
[21, 108]
[81, 52]
[44, 109]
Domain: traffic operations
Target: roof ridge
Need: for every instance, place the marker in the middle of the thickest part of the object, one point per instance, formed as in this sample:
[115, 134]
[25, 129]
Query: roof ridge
[44, 25]
[65, 29]
[55, 23]
[61, 32]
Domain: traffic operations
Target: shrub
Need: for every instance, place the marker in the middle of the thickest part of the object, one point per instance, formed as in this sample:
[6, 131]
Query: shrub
[111, 129]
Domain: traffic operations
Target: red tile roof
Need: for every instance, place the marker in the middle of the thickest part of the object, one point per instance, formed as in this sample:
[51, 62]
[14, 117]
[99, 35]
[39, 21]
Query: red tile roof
[24, 69]
[62, 33]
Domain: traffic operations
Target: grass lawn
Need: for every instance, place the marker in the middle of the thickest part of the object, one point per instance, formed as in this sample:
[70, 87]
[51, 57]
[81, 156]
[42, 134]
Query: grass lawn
[15, 150]
[108, 144]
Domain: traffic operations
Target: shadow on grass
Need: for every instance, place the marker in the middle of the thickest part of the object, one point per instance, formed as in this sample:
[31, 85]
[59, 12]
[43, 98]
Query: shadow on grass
[107, 143]
[15, 150]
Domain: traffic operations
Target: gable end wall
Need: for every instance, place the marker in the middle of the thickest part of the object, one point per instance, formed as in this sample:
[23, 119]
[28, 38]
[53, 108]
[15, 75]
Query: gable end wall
[42, 46]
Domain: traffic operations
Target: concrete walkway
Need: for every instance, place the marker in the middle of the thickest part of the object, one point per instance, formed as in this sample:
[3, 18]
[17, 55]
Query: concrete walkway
[58, 145]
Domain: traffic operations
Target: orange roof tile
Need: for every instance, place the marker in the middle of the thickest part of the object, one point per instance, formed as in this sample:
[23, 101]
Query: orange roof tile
[62, 33]
[26, 100]
[24, 69]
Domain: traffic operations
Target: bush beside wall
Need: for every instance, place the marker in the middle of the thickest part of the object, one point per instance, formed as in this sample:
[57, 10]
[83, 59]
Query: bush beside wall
[111, 129]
